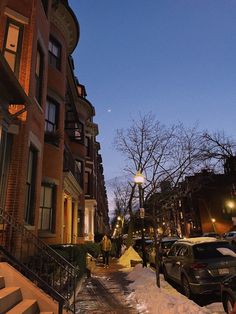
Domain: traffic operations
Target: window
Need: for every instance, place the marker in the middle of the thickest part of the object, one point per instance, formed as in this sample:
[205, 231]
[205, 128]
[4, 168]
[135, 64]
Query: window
[12, 45]
[46, 210]
[183, 251]
[212, 250]
[45, 5]
[54, 53]
[173, 251]
[5, 153]
[79, 171]
[87, 145]
[86, 183]
[51, 116]
[39, 75]
[79, 131]
[30, 186]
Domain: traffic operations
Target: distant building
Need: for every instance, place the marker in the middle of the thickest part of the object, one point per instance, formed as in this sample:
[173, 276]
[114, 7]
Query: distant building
[208, 203]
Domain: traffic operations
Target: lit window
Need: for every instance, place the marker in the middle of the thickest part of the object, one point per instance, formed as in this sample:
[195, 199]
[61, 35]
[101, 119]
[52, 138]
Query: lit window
[46, 210]
[12, 45]
[54, 53]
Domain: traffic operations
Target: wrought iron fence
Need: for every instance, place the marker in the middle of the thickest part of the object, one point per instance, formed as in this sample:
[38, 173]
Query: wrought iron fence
[38, 261]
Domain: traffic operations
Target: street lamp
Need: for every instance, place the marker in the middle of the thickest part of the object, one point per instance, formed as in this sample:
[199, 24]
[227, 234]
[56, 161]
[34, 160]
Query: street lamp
[213, 223]
[139, 180]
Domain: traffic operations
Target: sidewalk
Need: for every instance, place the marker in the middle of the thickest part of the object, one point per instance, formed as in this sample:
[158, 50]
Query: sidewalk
[105, 291]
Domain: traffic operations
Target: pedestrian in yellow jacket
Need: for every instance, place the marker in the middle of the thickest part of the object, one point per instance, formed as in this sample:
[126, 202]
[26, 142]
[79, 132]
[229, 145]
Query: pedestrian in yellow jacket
[106, 248]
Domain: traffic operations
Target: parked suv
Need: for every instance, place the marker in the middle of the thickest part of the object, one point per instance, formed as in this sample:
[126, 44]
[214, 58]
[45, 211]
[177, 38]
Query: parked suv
[199, 264]
[166, 244]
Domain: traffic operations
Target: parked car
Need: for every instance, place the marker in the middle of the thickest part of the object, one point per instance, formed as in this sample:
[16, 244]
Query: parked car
[228, 293]
[212, 235]
[231, 237]
[199, 264]
[166, 244]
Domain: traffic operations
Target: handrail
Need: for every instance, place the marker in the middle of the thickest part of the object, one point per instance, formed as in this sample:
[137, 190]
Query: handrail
[24, 246]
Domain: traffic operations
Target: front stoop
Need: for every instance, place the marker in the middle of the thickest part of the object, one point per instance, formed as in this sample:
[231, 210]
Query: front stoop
[12, 302]
[25, 307]
[9, 297]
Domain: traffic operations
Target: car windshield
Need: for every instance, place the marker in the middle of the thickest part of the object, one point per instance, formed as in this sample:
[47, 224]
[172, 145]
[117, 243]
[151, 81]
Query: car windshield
[167, 244]
[212, 250]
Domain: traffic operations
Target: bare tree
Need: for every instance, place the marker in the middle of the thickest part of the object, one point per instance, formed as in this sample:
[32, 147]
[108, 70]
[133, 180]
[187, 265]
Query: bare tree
[166, 154]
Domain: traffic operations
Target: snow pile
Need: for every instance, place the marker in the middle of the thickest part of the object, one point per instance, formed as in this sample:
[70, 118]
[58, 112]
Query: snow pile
[129, 255]
[165, 300]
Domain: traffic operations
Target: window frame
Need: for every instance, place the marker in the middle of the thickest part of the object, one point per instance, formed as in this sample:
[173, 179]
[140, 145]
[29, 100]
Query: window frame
[45, 6]
[87, 175]
[51, 209]
[54, 124]
[17, 53]
[87, 145]
[53, 59]
[29, 213]
[39, 76]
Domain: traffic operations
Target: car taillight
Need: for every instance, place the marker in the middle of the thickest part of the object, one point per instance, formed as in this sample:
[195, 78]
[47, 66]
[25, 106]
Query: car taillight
[196, 266]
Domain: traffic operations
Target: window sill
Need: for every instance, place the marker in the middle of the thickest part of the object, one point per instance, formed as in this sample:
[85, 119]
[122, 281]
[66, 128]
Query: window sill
[46, 234]
[30, 227]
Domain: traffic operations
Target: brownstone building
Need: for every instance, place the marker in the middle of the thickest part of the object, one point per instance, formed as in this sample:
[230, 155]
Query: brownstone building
[51, 169]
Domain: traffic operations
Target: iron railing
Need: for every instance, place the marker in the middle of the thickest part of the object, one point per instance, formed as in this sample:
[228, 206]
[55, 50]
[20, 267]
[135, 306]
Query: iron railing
[38, 261]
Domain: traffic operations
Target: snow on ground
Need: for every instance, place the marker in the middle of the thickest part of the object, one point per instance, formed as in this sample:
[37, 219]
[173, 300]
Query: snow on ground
[165, 300]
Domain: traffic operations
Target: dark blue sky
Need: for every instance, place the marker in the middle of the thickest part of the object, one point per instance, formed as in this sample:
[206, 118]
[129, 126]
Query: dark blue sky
[175, 58]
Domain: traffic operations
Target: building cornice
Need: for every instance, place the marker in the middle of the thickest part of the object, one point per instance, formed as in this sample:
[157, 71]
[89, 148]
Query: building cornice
[92, 128]
[65, 20]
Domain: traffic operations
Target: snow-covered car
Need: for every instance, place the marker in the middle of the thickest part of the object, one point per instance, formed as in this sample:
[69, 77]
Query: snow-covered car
[199, 264]
[166, 244]
[228, 293]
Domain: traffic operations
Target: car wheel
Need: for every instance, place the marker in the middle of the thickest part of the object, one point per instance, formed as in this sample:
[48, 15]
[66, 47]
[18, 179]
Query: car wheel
[228, 303]
[186, 287]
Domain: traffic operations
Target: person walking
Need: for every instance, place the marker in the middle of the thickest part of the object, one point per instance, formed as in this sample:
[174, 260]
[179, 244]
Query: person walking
[106, 248]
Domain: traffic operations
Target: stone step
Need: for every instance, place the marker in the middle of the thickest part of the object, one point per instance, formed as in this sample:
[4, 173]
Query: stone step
[2, 282]
[9, 297]
[26, 306]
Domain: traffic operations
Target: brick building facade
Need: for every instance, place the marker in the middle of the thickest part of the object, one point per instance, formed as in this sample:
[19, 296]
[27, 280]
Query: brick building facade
[51, 170]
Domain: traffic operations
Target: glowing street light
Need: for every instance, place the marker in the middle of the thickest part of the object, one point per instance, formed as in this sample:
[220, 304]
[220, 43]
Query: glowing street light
[139, 179]
[230, 204]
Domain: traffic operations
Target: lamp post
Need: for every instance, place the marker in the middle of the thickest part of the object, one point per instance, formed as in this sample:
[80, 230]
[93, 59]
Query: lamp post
[213, 224]
[139, 180]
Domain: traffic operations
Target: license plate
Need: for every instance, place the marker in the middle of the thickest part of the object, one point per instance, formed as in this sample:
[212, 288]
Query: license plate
[223, 271]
